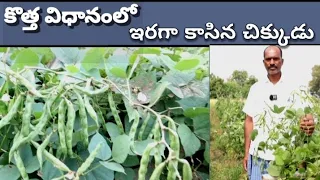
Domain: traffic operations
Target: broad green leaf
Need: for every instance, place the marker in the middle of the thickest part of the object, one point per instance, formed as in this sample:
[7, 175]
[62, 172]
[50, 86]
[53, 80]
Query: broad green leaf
[192, 101]
[140, 146]
[113, 130]
[160, 61]
[3, 108]
[105, 151]
[116, 66]
[191, 144]
[4, 158]
[307, 110]
[204, 50]
[193, 112]
[26, 57]
[99, 173]
[300, 113]
[254, 134]
[93, 58]
[72, 163]
[113, 166]
[120, 148]
[37, 109]
[94, 73]
[131, 161]
[72, 68]
[144, 81]
[277, 109]
[45, 52]
[9, 172]
[118, 72]
[187, 64]
[195, 89]
[273, 170]
[201, 125]
[279, 161]
[130, 175]
[178, 81]
[3, 49]
[158, 92]
[178, 78]
[50, 172]
[148, 50]
[68, 55]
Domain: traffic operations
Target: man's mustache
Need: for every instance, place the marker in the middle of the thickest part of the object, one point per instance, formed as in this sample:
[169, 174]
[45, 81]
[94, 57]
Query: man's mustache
[272, 66]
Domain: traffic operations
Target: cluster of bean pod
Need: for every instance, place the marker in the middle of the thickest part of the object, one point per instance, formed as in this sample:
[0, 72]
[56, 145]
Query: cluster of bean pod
[22, 103]
[61, 95]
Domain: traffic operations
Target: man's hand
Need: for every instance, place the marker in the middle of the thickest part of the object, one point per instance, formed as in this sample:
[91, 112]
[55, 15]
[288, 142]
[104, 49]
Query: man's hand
[245, 162]
[307, 124]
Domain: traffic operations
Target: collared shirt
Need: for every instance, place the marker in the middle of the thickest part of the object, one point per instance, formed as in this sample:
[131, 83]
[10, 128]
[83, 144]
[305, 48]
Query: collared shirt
[258, 105]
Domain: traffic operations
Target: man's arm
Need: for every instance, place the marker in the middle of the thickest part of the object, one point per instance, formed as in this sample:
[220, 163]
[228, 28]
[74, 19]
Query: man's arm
[248, 127]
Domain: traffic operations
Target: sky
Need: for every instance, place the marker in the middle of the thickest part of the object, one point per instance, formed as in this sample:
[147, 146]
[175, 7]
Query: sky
[298, 61]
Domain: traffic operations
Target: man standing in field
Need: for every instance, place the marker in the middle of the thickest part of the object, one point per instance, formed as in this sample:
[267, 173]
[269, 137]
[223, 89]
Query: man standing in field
[275, 89]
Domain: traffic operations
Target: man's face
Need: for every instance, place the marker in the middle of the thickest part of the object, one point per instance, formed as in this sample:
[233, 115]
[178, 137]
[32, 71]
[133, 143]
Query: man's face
[273, 61]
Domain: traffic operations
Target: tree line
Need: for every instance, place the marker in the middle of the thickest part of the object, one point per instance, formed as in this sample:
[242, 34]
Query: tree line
[239, 83]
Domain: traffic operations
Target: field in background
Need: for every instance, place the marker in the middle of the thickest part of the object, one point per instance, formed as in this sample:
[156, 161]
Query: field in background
[224, 164]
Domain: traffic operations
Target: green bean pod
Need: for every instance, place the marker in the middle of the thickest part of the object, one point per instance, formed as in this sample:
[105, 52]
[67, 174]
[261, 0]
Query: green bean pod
[90, 110]
[25, 129]
[134, 126]
[12, 112]
[39, 127]
[173, 136]
[88, 106]
[61, 126]
[20, 166]
[145, 161]
[56, 162]
[25, 82]
[152, 130]
[86, 164]
[157, 171]
[16, 139]
[157, 132]
[175, 146]
[70, 124]
[143, 126]
[186, 170]
[83, 120]
[41, 148]
[114, 112]
[171, 170]
[157, 156]
[90, 92]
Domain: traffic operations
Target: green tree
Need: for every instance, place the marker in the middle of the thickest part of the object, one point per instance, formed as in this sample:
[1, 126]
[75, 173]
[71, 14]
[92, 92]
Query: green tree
[216, 86]
[314, 84]
[240, 77]
[237, 86]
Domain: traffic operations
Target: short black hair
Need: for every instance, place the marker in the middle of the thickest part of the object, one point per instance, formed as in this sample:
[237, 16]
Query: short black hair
[273, 46]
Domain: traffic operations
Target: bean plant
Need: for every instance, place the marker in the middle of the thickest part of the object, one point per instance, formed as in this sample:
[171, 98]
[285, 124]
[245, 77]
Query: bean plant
[104, 113]
[296, 152]
[231, 117]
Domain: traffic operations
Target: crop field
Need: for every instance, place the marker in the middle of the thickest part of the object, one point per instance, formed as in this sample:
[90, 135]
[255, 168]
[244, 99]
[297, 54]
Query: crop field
[295, 151]
[226, 160]
[104, 113]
